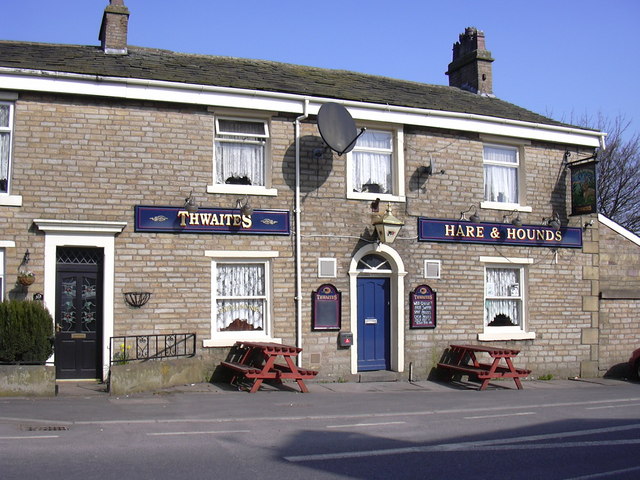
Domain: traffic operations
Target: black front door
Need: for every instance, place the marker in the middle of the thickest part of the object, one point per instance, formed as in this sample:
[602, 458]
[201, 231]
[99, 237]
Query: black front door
[78, 347]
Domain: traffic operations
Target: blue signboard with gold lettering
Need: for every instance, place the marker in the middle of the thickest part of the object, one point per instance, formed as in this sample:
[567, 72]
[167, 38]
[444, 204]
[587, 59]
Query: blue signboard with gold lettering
[211, 220]
[437, 230]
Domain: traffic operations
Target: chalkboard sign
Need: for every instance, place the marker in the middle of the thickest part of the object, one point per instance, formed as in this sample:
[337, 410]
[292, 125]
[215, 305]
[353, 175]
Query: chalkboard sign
[326, 308]
[423, 307]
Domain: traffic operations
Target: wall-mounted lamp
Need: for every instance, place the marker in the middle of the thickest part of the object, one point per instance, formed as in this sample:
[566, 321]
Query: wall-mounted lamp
[474, 218]
[553, 221]
[375, 205]
[515, 221]
[244, 207]
[588, 224]
[387, 226]
[190, 204]
[137, 299]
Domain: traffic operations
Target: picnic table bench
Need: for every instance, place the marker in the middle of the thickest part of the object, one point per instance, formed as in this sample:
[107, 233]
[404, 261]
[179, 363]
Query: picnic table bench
[463, 359]
[257, 361]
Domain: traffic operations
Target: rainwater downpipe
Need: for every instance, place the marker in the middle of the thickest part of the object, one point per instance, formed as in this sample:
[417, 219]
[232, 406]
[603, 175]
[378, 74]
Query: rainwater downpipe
[298, 253]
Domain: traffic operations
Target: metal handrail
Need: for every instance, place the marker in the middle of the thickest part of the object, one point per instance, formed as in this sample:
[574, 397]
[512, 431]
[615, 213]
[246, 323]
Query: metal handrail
[129, 348]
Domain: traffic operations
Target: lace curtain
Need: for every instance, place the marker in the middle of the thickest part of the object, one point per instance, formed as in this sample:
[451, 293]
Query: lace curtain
[501, 181]
[245, 283]
[4, 161]
[503, 297]
[372, 170]
[240, 152]
[239, 161]
[5, 138]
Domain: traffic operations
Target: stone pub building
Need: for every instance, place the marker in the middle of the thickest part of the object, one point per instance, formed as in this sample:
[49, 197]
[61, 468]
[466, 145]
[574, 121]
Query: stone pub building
[204, 182]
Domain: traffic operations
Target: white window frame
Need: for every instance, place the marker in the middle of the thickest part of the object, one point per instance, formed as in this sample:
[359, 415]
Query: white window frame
[397, 168]
[507, 143]
[227, 339]
[242, 189]
[507, 333]
[6, 199]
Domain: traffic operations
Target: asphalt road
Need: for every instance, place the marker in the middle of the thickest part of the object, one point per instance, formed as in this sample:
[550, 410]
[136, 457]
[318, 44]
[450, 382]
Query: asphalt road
[549, 430]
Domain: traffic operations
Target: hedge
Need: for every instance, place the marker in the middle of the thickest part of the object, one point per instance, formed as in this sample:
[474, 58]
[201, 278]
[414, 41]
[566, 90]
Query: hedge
[26, 332]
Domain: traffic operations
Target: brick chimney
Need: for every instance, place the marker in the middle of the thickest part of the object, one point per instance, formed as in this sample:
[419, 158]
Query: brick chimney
[471, 66]
[113, 31]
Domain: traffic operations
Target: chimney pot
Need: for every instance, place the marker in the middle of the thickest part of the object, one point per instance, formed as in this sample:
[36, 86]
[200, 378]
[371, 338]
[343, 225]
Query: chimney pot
[114, 28]
[471, 68]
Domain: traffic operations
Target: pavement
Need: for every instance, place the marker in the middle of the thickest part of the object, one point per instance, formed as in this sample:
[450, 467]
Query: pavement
[93, 389]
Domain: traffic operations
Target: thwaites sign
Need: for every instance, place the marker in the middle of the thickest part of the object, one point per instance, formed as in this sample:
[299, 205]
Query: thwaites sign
[211, 220]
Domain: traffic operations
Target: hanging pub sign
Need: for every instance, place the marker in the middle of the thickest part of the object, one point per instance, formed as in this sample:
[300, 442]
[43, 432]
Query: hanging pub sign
[211, 220]
[326, 302]
[437, 230]
[423, 307]
[583, 188]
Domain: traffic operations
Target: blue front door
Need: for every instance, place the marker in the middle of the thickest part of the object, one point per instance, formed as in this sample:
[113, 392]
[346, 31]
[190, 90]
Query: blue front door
[373, 323]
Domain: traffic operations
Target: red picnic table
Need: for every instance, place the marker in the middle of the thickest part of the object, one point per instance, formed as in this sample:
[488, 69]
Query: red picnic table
[463, 359]
[257, 361]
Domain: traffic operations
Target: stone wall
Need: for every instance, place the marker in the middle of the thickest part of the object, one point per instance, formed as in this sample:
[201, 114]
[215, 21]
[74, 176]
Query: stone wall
[95, 159]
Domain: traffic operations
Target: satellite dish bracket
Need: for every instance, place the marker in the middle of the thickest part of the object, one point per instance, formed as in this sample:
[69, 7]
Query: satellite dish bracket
[348, 148]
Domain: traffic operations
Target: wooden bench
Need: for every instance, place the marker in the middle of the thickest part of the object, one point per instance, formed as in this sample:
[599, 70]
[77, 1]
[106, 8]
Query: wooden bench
[256, 361]
[483, 371]
[304, 373]
[246, 370]
[462, 359]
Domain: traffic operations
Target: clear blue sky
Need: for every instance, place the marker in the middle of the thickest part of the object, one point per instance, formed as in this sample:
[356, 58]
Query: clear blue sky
[561, 58]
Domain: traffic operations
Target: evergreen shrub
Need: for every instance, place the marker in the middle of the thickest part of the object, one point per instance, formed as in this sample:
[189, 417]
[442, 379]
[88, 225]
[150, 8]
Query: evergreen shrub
[26, 332]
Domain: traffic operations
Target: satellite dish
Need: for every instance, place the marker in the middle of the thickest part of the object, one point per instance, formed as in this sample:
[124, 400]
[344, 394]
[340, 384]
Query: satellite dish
[337, 128]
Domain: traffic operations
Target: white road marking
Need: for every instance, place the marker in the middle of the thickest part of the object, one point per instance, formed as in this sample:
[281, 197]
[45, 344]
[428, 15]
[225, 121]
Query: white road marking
[499, 416]
[213, 432]
[32, 437]
[365, 424]
[613, 406]
[495, 444]
[605, 474]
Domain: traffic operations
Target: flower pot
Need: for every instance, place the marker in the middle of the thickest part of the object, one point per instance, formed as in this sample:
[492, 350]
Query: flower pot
[26, 280]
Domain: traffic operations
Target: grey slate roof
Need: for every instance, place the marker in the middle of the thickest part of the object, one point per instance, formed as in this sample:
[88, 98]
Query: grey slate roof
[153, 64]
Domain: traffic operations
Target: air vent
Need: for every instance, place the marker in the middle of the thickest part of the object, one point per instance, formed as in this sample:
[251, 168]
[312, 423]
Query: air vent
[327, 268]
[432, 269]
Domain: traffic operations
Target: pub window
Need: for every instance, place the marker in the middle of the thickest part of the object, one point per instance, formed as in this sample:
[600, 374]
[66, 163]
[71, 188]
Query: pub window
[2, 282]
[241, 298]
[504, 297]
[241, 156]
[501, 174]
[6, 131]
[374, 166]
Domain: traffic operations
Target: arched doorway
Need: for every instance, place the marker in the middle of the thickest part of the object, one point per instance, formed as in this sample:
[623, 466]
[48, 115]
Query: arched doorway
[377, 314]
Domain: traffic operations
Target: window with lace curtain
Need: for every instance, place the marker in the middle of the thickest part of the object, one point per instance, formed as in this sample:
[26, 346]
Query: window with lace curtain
[6, 123]
[373, 166]
[2, 282]
[241, 156]
[240, 297]
[501, 174]
[504, 297]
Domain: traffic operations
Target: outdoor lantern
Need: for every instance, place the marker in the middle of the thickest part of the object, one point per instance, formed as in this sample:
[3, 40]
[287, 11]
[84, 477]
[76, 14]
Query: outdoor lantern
[245, 208]
[554, 221]
[387, 226]
[190, 204]
[515, 221]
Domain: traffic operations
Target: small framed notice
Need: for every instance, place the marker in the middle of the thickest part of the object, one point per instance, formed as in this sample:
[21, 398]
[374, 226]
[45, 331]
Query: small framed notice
[327, 302]
[423, 307]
